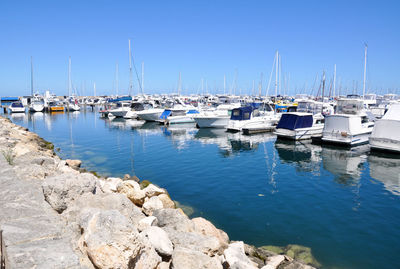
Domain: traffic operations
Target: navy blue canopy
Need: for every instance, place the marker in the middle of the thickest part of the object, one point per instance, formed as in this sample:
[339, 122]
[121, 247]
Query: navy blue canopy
[242, 113]
[294, 121]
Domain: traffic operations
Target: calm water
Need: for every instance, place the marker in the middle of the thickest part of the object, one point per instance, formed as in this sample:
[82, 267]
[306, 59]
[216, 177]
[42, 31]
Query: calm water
[343, 204]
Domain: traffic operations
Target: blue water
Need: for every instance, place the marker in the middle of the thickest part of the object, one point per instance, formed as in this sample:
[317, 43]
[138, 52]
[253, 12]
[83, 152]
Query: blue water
[343, 204]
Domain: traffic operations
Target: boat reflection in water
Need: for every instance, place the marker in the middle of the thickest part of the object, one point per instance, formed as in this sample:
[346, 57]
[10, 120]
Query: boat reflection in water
[232, 143]
[386, 169]
[304, 154]
[345, 164]
[180, 134]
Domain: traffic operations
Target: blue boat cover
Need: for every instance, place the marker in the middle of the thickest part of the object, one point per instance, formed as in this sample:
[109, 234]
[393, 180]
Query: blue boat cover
[193, 111]
[9, 99]
[165, 114]
[120, 99]
[242, 113]
[293, 121]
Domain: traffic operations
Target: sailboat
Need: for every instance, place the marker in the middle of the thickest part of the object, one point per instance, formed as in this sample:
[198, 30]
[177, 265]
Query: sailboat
[37, 103]
[72, 102]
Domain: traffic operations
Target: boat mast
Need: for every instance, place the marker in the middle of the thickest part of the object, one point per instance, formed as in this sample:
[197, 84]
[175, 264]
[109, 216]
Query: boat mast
[130, 69]
[31, 76]
[365, 68]
[323, 91]
[260, 85]
[142, 78]
[179, 85]
[94, 89]
[276, 73]
[224, 84]
[116, 78]
[69, 76]
[334, 81]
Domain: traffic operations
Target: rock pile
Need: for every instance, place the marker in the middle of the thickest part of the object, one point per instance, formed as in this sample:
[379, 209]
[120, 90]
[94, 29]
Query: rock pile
[54, 216]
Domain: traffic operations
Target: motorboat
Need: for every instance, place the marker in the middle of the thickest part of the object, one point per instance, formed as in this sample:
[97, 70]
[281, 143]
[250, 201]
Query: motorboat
[73, 105]
[152, 114]
[299, 126]
[121, 109]
[386, 133]
[135, 108]
[17, 107]
[308, 122]
[251, 118]
[36, 106]
[351, 124]
[217, 118]
[177, 115]
[55, 106]
[266, 122]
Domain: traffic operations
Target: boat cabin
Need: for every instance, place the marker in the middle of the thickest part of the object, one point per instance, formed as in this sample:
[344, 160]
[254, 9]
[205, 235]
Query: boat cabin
[244, 113]
[293, 121]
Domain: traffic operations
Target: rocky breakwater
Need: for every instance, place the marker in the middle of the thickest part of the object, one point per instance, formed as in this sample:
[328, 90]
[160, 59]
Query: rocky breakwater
[55, 215]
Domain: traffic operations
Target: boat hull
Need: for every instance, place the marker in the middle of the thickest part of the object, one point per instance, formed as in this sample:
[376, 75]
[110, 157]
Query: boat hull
[212, 122]
[384, 144]
[151, 116]
[299, 134]
[346, 140]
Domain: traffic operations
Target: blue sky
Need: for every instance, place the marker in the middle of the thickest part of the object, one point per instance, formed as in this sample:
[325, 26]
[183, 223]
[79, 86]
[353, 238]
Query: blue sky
[200, 39]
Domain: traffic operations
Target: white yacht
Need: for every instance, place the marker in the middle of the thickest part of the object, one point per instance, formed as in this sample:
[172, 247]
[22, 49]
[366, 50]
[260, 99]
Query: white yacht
[266, 122]
[36, 105]
[152, 114]
[350, 126]
[135, 108]
[386, 133]
[73, 105]
[247, 117]
[17, 107]
[178, 114]
[217, 118]
[304, 124]
[121, 109]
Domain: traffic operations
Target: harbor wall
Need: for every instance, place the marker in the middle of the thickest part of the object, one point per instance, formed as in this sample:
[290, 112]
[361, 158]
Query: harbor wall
[54, 214]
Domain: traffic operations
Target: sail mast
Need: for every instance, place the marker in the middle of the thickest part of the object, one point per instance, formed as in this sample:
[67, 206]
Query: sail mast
[130, 69]
[142, 78]
[116, 78]
[334, 81]
[31, 76]
[69, 76]
[276, 72]
[365, 68]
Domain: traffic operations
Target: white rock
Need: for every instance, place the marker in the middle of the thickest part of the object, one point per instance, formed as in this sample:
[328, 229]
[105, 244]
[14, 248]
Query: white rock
[237, 258]
[109, 185]
[274, 261]
[153, 190]
[152, 204]
[146, 222]
[159, 240]
[183, 258]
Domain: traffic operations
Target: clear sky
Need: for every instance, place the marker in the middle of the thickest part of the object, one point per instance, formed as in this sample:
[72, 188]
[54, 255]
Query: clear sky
[200, 39]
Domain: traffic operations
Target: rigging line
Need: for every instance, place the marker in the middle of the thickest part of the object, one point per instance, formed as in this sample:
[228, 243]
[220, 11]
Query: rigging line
[137, 75]
[270, 76]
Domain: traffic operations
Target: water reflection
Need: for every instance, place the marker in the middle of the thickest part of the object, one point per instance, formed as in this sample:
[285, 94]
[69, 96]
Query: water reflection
[304, 154]
[386, 169]
[345, 164]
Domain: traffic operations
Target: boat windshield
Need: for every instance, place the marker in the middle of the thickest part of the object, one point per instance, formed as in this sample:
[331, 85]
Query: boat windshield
[17, 105]
[349, 106]
[309, 107]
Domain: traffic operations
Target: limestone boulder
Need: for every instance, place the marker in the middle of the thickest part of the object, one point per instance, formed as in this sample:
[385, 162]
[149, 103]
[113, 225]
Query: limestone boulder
[208, 245]
[152, 204]
[132, 190]
[183, 258]
[274, 261]
[166, 201]
[146, 259]
[205, 227]
[104, 201]
[146, 222]
[109, 239]
[152, 190]
[159, 239]
[173, 219]
[61, 190]
[73, 163]
[110, 184]
[236, 257]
